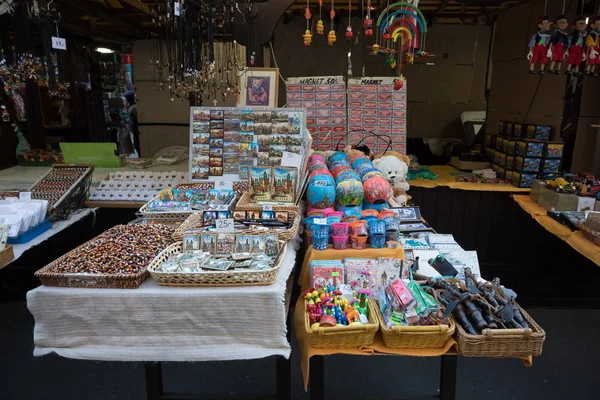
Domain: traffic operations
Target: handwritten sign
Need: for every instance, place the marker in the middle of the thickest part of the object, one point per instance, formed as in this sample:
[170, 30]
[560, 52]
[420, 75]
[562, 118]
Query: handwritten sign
[224, 185]
[26, 196]
[268, 207]
[59, 43]
[224, 225]
[289, 159]
[177, 9]
[320, 221]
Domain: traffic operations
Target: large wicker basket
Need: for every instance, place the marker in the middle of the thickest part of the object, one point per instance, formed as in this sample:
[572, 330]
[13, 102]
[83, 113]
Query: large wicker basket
[82, 280]
[415, 337]
[246, 204]
[212, 278]
[502, 343]
[339, 337]
[171, 217]
[195, 222]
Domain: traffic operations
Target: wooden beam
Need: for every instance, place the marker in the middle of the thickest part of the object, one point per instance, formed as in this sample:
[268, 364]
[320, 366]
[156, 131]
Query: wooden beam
[114, 3]
[139, 5]
[442, 6]
[89, 8]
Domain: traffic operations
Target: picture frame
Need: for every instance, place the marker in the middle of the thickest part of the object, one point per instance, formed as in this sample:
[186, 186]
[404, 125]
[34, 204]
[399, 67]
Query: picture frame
[239, 215]
[259, 87]
[191, 242]
[258, 244]
[209, 242]
[282, 216]
[283, 186]
[243, 243]
[271, 244]
[409, 214]
[260, 181]
[225, 243]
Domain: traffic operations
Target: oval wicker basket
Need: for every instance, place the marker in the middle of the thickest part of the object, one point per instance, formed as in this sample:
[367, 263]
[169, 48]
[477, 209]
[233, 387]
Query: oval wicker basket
[195, 222]
[339, 337]
[502, 343]
[415, 337]
[212, 278]
[171, 217]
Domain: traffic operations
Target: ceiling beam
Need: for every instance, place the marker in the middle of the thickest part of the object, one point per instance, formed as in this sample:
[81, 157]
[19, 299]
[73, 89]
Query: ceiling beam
[89, 8]
[95, 35]
[442, 6]
[139, 5]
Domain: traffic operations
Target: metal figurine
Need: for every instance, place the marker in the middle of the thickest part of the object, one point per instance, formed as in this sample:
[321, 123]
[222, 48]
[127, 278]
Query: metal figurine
[538, 46]
[559, 45]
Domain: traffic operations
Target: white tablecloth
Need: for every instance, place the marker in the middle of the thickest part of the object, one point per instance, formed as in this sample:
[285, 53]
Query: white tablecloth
[59, 226]
[159, 323]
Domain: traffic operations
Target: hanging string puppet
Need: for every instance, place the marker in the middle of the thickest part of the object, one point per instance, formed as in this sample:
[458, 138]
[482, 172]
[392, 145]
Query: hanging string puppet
[593, 47]
[538, 46]
[559, 44]
[577, 45]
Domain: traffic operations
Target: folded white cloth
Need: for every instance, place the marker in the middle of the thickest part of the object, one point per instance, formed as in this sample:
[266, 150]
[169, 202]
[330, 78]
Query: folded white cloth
[160, 323]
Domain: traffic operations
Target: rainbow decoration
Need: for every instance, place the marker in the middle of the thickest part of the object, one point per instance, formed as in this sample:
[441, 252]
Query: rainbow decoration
[398, 22]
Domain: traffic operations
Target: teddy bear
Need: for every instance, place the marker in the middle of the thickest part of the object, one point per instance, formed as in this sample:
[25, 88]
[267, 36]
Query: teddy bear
[256, 92]
[394, 167]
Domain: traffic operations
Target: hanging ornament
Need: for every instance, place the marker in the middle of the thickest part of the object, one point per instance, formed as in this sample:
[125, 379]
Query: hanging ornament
[399, 83]
[368, 22]
[307, 37]
[331, 36]
[320, 26]
[349, 33]
[5, 114]
[386, 35]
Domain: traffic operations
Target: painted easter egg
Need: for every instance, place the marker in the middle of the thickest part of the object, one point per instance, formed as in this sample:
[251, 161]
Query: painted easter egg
[321, 192]
[349, 192]
[377, 190]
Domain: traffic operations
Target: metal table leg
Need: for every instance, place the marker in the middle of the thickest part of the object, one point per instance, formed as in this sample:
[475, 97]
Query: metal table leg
[448, 377]
[154, 380]
[317, 378]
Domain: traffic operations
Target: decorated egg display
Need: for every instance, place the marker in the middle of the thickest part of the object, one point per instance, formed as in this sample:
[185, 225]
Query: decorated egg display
[321, 192]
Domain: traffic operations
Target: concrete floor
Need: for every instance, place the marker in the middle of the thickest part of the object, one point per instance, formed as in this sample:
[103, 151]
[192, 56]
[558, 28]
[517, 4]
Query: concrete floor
[567, 369]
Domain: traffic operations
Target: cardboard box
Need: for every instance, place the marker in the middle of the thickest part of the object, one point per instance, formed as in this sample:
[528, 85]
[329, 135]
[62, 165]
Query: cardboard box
[530, 148]
[550, 165]
[528, 164]
[522, 179]
[554, 150]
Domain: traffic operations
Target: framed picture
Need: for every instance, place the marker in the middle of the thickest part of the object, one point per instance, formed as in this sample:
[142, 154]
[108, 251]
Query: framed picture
[225, 243]
[271, 244]
[243, 243]
[191, 242]
[284, 184]
[258, 244]
[282, 216]
[261, 179]
[259, 87]
[239, 215]
[209, 242]
[409, 214]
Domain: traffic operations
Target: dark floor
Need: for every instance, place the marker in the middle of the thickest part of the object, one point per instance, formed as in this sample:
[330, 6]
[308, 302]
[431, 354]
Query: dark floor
[568, 369]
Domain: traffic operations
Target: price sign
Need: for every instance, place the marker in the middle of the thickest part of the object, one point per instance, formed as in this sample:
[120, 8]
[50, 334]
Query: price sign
[291, 160]
[224, 225]
[320, 221]
[224, 185]
[59, 43]
[222, 207]
[177, 9]
[268, 207]
[25, 196]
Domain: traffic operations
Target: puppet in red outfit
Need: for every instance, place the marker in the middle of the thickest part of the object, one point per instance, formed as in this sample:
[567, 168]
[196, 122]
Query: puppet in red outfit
[592, 43]
[538, 45]
[577, 45]
[559, 44]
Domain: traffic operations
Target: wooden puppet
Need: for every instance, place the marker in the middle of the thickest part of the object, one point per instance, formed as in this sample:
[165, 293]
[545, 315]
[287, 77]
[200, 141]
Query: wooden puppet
[577, 45]
[538, 46]
[559, 44]
[592, 43]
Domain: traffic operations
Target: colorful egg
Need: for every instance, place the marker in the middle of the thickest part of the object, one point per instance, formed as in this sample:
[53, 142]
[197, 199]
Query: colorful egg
[317, 157]
[364, 167]
[354, 155]
[317, 172]
[377, 190]
[371, 172]
[321, 192]
[349, 192]
[359, 161]
[347, 175]
[338, 169]
[337, 157]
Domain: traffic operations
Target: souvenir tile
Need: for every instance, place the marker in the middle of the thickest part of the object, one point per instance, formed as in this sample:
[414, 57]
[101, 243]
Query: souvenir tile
[201, 161]
[216, 114]
[282, 216]
[201, 127]
[267, 214]
[225, 243]
[246, 137]
[247, 115]
[191, 242]
[232, 125]
[247, 126]
[216, 162]
[284, 184]
[201, 115]
[216, 124]
[276, 150]
[243, 173]
[230, 168]
[218, 264]
[253, 214]
[209, 217]
[216, 142]
[200, 138]
[271, 244]
[230, 136]
[243, 149]
[243, 243]
[209, 242]
[231, 158]
[280, 128]
[253, 149]
[280, 116]
[258, 243]
[274, 161]
[215, 152]
[230, 147]
[408, 214]
[261, 182]
[200, 149]
[263, 158]
[263, 116]
[239, 215]
[247, 161]
[217, 133]
[264, 142]
[262, 129]
[232, 114]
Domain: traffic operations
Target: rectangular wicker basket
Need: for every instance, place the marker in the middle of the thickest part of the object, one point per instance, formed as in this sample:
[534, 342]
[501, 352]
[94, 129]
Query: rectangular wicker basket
[82, 280]
[246, 204]
[502, 343]
[194, 222]
[173, 217]
[339, 337]
[415, 337]
[212, 278]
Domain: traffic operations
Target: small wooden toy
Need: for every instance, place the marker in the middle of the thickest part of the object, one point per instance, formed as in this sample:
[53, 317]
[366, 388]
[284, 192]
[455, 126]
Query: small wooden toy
[576, 50]
[538, 46]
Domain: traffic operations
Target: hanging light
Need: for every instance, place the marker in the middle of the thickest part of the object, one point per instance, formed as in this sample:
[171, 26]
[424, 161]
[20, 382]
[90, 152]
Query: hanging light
[104, 50]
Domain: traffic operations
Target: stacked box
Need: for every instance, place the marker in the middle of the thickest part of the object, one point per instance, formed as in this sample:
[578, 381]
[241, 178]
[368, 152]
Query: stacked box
[523, 179]
[554, 150]
[510, 162]
[530, 148]
[527, 164]
[518, 130]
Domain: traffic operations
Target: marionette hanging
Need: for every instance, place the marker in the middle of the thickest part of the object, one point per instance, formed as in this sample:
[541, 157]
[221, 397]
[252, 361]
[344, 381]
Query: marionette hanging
[538, 46]
[368, 22]
[576, 49]
[320, 26]
[307, 35]
[559, 45]
[331, 36]
[592, 43]
[349, 33]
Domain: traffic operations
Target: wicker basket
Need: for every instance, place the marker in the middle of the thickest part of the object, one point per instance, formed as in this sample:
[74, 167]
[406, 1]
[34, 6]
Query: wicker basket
[195, 222]
[415, 337]
[6, 255]
[502, 343]
[212, 278]
[171, 217]
[74, 198]
[246, 204]
[591, 228]
[82, 280]
[339, 337]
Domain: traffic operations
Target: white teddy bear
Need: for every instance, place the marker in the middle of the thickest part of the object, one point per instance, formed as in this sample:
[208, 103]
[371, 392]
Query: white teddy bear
[394, 167]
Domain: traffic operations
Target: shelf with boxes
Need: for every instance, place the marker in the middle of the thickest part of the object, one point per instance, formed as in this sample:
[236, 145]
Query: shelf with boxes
[522, 153]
